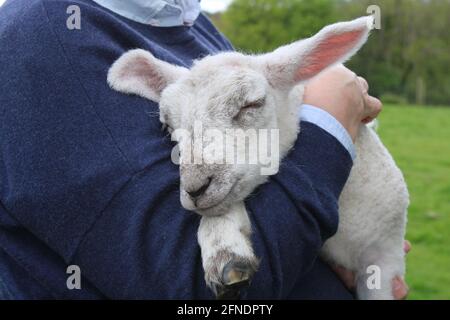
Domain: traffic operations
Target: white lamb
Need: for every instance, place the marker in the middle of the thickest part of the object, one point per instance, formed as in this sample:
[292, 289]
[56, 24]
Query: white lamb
[233, 90]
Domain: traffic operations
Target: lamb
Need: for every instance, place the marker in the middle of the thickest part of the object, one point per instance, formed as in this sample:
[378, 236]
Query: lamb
[232, 90]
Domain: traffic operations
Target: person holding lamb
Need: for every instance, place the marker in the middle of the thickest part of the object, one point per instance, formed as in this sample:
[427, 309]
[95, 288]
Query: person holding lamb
[86, 176]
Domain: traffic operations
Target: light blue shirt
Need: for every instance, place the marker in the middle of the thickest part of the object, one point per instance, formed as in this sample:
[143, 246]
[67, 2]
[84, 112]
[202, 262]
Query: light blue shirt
[159, 13]
[168, 13]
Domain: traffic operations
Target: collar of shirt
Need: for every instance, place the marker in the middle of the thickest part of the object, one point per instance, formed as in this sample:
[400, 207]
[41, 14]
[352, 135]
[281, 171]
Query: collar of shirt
[158, 13]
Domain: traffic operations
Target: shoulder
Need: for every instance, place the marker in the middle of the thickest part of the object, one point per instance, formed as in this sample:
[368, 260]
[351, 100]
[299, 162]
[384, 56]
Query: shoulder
[33, 23]
[21, 17]
[27, 30]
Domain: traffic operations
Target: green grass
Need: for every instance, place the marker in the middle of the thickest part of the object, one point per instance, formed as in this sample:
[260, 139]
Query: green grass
[419, 139]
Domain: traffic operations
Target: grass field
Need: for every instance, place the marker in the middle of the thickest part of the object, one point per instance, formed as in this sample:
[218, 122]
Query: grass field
[419, 139]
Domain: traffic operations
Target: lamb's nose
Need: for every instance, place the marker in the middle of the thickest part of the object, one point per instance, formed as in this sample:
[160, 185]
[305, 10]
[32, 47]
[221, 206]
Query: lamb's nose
[197, 193]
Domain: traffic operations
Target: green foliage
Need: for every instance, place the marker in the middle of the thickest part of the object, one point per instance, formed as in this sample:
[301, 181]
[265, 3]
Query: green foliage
[263, 25]
[408, 57]
[392, 98]
[418, 140]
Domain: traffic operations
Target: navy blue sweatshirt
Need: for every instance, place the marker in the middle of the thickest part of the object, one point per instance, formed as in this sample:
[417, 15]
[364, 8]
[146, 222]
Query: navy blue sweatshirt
[86, 177]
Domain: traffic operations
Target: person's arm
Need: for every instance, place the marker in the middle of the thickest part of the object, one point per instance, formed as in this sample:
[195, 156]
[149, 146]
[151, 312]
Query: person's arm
[344, 88]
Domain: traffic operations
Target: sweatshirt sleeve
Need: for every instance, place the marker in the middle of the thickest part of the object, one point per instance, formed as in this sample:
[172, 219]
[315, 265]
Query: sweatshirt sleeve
[87, 171]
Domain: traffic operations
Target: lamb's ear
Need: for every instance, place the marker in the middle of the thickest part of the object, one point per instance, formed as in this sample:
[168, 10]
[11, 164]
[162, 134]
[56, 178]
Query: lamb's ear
[139, 72]
[302, 60]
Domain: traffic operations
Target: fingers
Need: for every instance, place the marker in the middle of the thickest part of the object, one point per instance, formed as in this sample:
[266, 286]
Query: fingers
[364, 84]
[399, 286]
[367, 120]
[407, 246]
[347, 277]
[400, 289]
[373, 107]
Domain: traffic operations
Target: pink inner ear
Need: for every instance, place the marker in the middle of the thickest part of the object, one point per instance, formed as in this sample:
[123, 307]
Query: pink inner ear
[144, 70]
[327, 52]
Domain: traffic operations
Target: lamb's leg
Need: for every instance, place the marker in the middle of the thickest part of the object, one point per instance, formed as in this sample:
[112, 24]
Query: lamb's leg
[385, 263]
[227, 254]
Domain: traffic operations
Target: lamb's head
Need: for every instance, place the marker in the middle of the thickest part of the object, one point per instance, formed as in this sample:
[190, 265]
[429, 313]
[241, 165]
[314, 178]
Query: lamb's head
[225, 111]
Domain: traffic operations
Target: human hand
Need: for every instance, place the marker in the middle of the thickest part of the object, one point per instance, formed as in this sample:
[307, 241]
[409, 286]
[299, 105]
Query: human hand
[400, 288]
[344, 95]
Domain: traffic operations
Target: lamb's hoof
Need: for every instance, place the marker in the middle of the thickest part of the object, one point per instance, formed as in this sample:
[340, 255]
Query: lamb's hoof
[230, 292]
[236, 275]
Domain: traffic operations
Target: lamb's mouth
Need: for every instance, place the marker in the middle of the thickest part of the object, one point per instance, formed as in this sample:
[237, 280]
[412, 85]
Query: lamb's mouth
[218, 207]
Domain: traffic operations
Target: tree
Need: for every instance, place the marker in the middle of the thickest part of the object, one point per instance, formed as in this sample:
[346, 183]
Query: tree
[263, 25]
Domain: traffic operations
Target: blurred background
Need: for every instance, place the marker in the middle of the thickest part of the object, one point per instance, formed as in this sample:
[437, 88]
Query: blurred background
[407, 64]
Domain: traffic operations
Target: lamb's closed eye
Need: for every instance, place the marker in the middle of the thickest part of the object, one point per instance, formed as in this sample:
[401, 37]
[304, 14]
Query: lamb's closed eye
[254, 104]
[249, 108]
